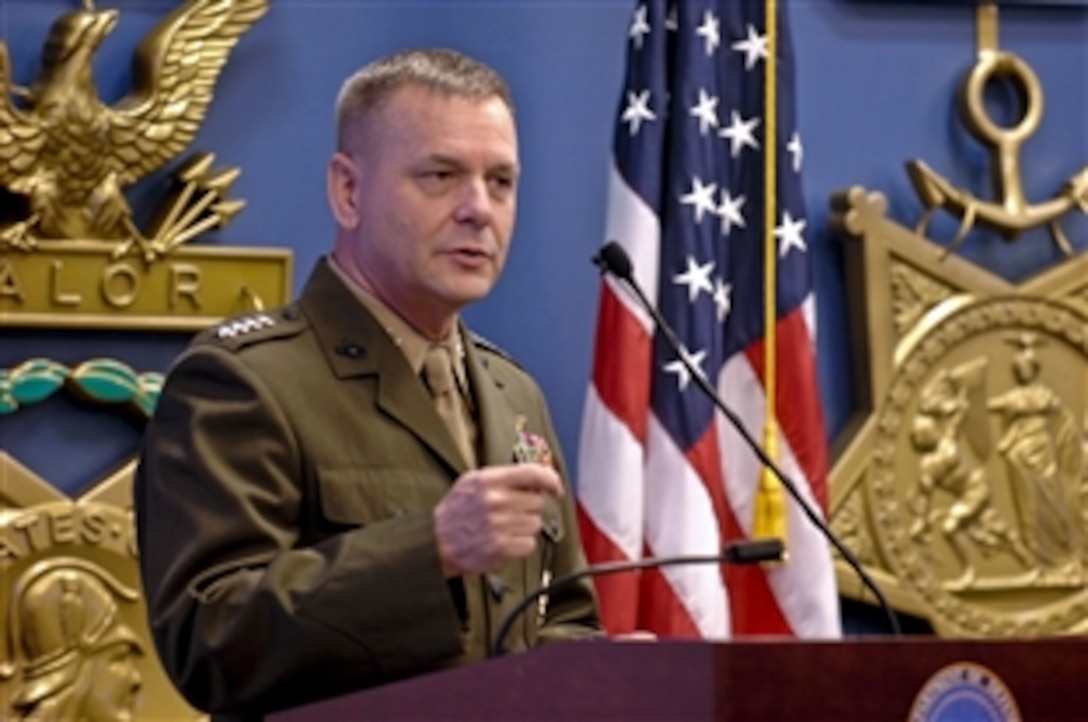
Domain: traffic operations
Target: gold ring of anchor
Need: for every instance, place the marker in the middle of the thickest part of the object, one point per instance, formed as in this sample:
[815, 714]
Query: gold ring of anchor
[999, 64]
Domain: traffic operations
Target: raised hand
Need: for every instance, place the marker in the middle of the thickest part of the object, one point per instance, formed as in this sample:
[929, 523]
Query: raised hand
[492, 515]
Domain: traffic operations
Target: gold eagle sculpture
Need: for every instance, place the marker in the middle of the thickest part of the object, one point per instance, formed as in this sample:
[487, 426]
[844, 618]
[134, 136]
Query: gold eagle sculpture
[70, 156]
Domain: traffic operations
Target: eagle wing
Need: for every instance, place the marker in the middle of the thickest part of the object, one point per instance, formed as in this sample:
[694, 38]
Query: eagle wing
[174, 74]
[21, 137]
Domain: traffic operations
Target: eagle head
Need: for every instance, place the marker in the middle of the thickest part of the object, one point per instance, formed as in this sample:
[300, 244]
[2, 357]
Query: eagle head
[77, 34]
[68, 53]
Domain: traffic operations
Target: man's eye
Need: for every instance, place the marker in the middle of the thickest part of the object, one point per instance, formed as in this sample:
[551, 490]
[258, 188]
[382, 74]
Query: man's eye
[436, 176]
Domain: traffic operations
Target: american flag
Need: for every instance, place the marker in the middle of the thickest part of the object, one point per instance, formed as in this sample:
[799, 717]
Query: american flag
[660, 471]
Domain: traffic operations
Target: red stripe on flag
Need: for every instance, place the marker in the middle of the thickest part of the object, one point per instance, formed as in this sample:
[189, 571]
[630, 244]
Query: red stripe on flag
[621, 363]
[797, 405]
[618, 593]
[753, 607]
[660, 610]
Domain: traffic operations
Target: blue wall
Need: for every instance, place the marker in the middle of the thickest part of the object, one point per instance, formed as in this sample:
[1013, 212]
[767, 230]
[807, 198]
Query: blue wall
[875, 85]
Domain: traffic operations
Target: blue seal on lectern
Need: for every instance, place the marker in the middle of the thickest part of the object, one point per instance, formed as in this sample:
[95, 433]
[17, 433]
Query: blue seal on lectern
[964, 692]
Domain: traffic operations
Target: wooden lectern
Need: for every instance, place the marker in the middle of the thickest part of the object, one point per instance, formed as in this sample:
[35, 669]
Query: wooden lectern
[744, 681]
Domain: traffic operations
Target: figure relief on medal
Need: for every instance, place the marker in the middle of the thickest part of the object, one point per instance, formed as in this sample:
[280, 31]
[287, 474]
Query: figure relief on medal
[1038, 456]
[978, 476]
[966, 485]
[1043, 453]
[72, 656]
[952, 444]
[74, 640]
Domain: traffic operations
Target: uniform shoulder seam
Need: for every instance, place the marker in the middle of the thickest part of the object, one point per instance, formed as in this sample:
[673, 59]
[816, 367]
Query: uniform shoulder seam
[485, 344]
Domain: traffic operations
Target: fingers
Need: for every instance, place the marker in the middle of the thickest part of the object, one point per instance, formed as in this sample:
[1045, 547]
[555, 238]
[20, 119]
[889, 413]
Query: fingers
[524, 477]
[492, 515]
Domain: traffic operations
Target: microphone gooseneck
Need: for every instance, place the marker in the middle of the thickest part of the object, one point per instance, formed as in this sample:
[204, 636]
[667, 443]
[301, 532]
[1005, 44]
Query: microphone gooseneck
[749, 551]
[612, 258]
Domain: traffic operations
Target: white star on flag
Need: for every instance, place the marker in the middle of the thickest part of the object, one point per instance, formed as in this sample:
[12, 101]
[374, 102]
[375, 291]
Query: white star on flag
[730, 213]
[637, 110]
[797, 151]
[789, 234]
[754, 48]
[706, 111]
[639, 27]
[710, 31]
[696, 278]
[740, 133]
[723, 298]
[671, 22]
[701, 196]
[678, 367]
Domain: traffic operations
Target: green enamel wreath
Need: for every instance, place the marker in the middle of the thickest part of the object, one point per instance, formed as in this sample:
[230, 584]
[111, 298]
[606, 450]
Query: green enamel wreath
[106, 381]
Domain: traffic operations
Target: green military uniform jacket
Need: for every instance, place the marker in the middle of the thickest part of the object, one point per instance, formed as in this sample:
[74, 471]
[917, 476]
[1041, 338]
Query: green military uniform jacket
[284, 501]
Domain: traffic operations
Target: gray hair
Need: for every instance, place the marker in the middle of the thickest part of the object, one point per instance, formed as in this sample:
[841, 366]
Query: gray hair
[443, 71]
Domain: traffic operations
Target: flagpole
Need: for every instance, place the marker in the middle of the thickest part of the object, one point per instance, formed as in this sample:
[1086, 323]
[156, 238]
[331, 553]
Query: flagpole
[770, 513]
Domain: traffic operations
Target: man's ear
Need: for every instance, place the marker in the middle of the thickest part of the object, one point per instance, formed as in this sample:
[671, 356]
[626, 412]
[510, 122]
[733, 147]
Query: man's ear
[341, 184]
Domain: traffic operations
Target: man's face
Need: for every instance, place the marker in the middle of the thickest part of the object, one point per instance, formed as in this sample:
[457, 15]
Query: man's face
[435, 180]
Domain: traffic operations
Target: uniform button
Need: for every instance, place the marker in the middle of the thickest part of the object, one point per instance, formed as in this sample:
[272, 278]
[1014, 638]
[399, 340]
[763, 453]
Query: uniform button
[349, 349]
[497, 586]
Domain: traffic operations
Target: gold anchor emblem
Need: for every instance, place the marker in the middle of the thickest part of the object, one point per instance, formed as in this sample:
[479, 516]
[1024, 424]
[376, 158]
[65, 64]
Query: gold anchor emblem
[1011, 214]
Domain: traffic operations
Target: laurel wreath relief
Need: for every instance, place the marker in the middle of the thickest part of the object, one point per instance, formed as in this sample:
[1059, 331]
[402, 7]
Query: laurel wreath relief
[106, 381]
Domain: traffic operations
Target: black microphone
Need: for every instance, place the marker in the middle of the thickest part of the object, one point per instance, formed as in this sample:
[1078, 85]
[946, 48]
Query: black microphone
[611, 258]
[748, 551]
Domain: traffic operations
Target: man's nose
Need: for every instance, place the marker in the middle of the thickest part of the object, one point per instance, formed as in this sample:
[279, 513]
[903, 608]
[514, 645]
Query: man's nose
[475, 204]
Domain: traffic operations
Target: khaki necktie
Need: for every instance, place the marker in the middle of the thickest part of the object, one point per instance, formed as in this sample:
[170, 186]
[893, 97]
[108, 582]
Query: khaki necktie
[438, 374]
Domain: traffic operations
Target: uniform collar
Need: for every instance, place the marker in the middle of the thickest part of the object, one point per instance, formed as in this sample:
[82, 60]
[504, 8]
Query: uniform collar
[355, 344]
[404, 336]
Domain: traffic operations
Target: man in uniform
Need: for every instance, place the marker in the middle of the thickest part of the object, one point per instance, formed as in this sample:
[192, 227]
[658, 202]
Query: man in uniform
[356, 489]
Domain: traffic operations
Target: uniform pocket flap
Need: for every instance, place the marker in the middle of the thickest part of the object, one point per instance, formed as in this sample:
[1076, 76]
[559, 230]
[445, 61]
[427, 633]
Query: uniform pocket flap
[363, 496]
